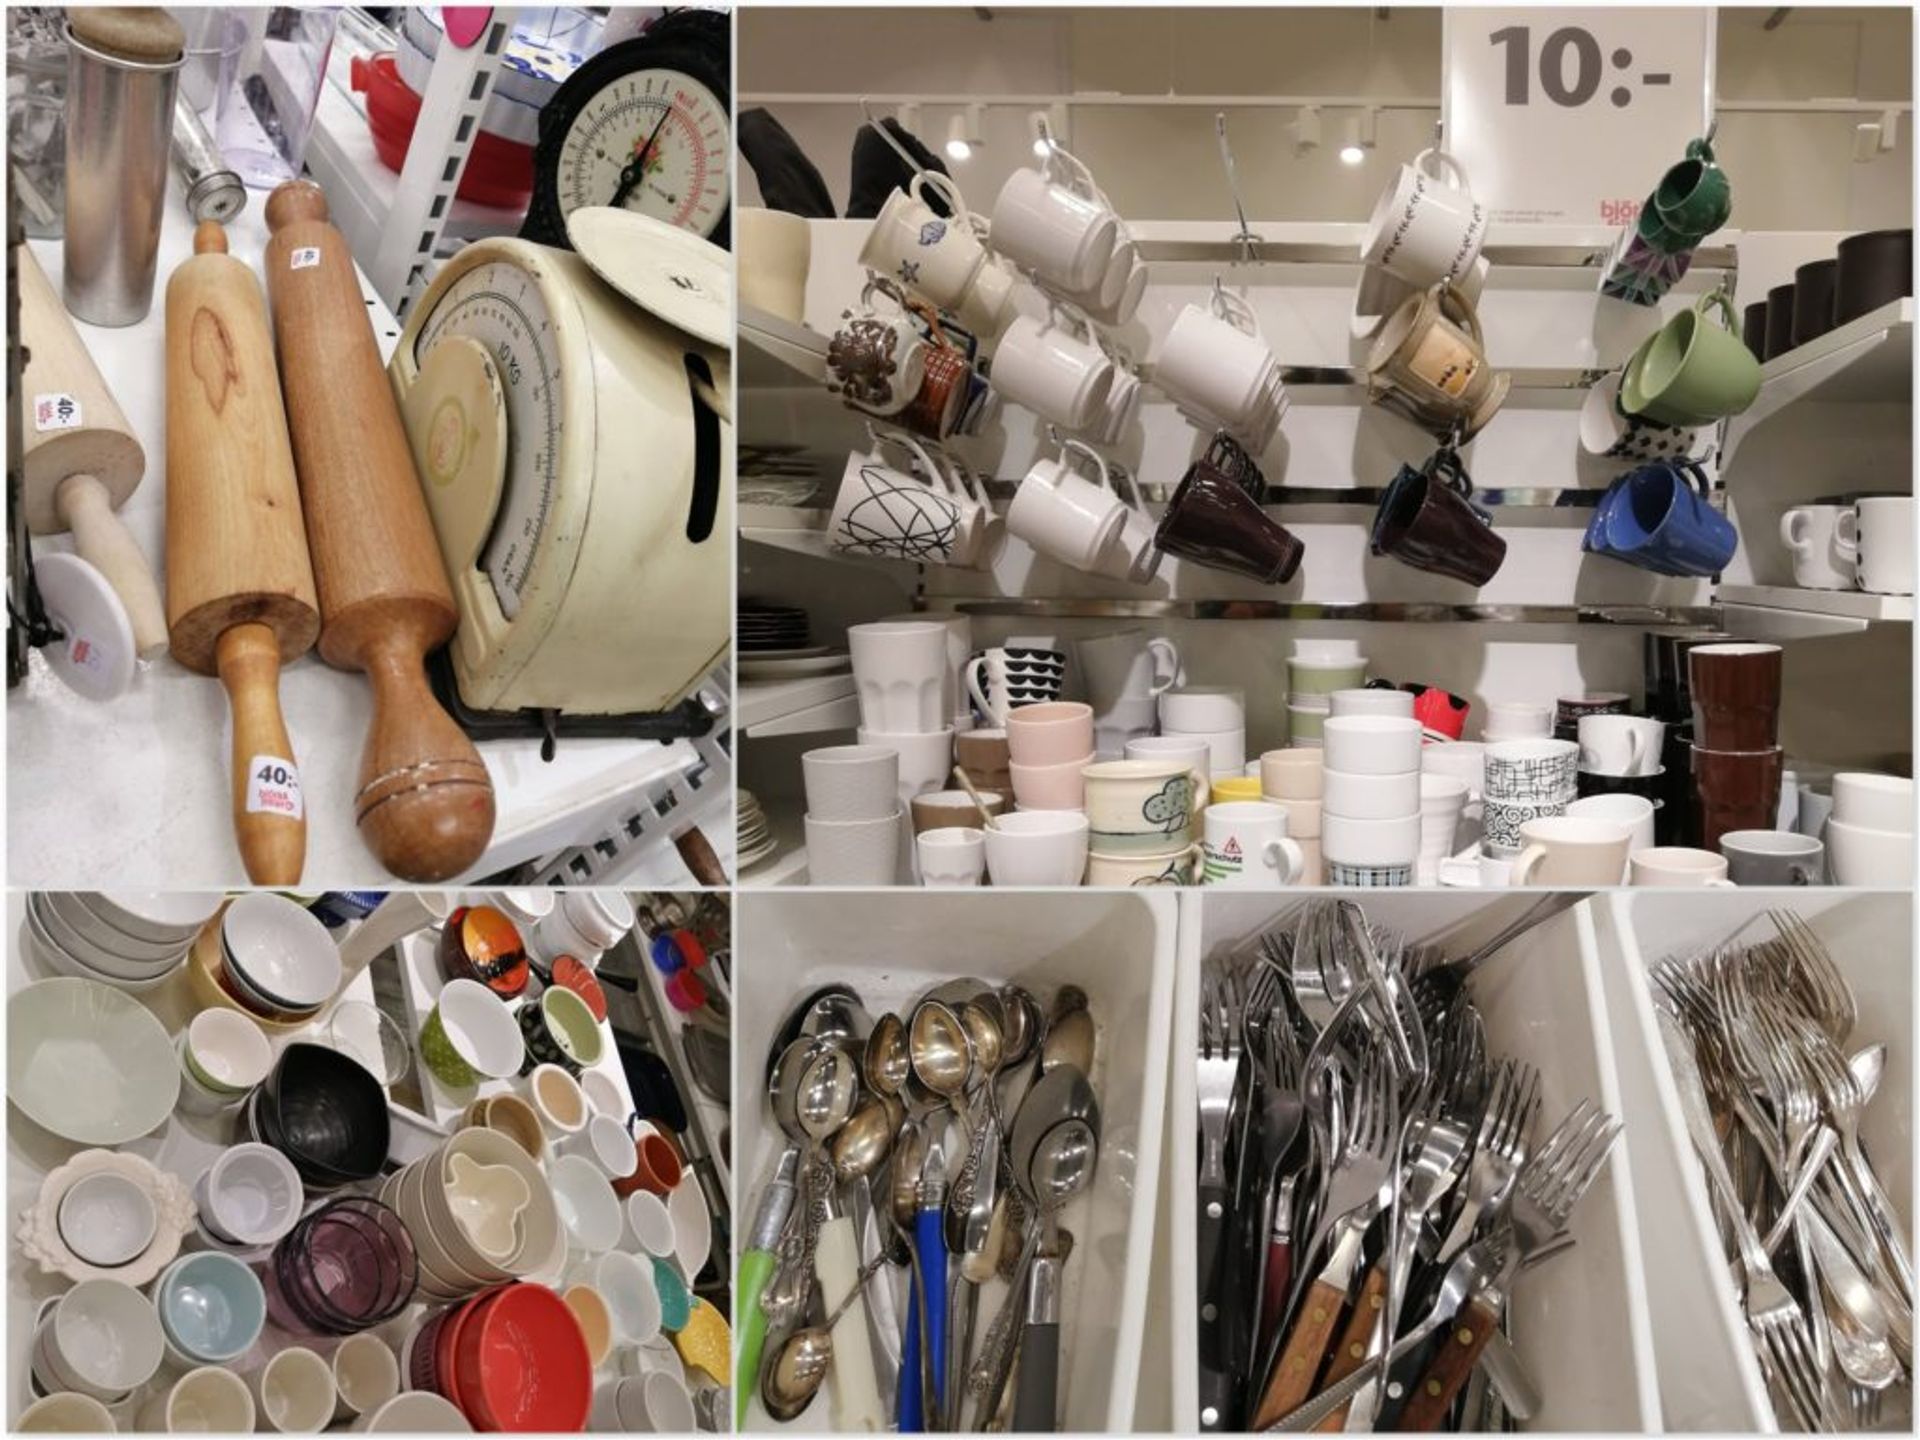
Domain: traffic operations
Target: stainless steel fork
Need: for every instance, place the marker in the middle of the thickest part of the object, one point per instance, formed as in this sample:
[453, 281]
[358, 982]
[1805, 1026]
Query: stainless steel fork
[1499, 1150]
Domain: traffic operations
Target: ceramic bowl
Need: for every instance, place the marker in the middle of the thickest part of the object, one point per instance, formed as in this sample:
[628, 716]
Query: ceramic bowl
[603, 1094]
[657, 1164]
[486, 1200]
[157, 916]
[211, 1306]
[208, 1399]
[478, 943]
[250, 1195]
[470, 1036]
[519, 1331]
[330, 1115]
[692, 1227]
[80, 932]
[513, 1118]
[626, 1284]
[166, 1199]
[558, 1100]
[88, 1062]
[676, 1301]
[602, 916]
[227, 1052]
[65, 1413]
[107, 1218]
[596, 1321]
[588, 1208]
[649, 1227]
[105, 1339]
[450, 1268]
[55, 959]
[572, 975]
[366, 1374]
[560, 1030]
[213, 990]
[416, 1412]
[538, 1223]
[280, 951]
[606, 1144]
[293, 1391]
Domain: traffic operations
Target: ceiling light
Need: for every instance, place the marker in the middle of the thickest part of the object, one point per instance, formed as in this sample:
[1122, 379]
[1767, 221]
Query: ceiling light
[964, 131]
[1361, 134]
[1306, 129]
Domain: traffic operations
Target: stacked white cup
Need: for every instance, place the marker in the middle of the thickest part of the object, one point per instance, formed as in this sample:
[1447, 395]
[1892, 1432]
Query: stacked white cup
[1316, 669]
[1056, 224]
[1370, 824]
[1216, 714]
[1870, 830]
[584, 924]
[853, 815]
[902, 675]
[1125, 675]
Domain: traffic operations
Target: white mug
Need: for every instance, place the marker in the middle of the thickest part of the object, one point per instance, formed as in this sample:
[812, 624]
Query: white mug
[1117, 412]
[1385, 845]
[1133, 551]
[1127, 665]
[899, 673]
[953, 856]
[1246, 847]
[1362, 796]
[1633, 811]
[1049, 367]
[1426, 227]
[1117, 871]
[1570, 850]
[1053, 223]
[893, 514]
[1672, 865]
[1193, 751]
[1372, 745]
[1214, 363]
[1861, 856]
[1811, 532]
[937, 257]
[1877, 534]
[1620, 744]
[1140, 807]
[1061, 513]
[1879, 802]
[876, 360]
[1003, 679]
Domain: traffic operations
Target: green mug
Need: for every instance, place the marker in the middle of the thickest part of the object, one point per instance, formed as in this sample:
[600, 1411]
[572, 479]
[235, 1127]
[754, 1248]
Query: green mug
[1660, 235]
[1692, 371]
[1693, 198]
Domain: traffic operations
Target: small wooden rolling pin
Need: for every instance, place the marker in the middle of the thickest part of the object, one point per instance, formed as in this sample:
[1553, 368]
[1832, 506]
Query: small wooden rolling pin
[424, 801]
[80, 456]
[240, 597]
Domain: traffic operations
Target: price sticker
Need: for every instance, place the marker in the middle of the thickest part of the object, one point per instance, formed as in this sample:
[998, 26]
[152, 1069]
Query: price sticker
[57, 410]
[305, 257]
[273, 788]
[1570, 116]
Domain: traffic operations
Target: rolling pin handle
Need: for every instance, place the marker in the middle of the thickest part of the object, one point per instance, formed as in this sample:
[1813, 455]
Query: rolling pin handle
[269, 810]
[209, 238]
[86, 509]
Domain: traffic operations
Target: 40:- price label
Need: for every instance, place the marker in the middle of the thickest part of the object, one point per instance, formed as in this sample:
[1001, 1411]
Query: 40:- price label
[1569, 116]
[273, 788]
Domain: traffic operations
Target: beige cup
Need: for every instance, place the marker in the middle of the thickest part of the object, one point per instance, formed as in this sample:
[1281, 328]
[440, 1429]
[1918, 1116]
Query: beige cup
[1678, 865]
[366, 1374]
[1432, 354]
[946, 809]
[70, 1413]
[207, 1400]
[293, 1392]
[1292, 775]
[1050, 733]
[1140, 807]
[1570, 850]
[1051, 787]
[1115, 871]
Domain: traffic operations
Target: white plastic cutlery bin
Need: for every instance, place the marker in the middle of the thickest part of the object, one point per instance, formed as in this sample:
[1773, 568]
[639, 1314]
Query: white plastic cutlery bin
[1119, 948]
[1580, 1321]
[1709, 1378]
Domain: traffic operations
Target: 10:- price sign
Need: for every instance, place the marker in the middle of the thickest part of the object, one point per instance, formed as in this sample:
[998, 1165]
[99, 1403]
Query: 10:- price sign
[1569, 116]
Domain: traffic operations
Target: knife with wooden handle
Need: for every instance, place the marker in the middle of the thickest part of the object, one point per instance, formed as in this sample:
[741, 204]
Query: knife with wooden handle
[1428, 1403]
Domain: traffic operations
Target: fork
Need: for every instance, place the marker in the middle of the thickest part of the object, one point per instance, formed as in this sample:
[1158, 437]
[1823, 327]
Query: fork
[1499, 1150]
[1218, 1077]
[1360, 1185]
[1543, 1196]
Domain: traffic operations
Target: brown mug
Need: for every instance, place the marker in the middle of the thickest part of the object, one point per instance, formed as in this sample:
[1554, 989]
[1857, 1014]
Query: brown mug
[1426, 520]
[944, 809]
[1431, 356]
[1735, 690]
[659, 1168]
[935, 409]
[1212, 520]
[1734, 790]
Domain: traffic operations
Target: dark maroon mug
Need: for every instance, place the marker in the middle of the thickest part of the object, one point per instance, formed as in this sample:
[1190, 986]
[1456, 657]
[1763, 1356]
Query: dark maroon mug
[1426, 520]
[1735, 690]
[1212, 520]
[1734, 790]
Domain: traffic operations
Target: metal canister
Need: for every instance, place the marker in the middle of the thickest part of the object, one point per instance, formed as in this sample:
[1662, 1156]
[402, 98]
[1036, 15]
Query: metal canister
[214, 191]
[119, 131]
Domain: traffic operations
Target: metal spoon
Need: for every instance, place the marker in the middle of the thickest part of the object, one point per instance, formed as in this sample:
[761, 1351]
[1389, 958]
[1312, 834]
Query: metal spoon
[788, 1385]
[1024, 1024]
[942, 1054]
[886, 1063]
[1069, 1043]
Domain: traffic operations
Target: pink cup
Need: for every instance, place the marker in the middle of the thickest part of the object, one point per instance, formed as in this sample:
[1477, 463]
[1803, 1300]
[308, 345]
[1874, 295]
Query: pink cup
[1051, 787]
[1051, 733]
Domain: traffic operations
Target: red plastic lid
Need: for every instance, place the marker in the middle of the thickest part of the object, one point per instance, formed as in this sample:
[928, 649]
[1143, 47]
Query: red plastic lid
[691, 950]
[685, 991]
[523, 1363]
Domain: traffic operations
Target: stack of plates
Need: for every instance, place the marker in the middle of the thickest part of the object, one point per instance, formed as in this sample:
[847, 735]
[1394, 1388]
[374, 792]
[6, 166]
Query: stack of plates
[129, 939]
[795, 664]
[771, 627]
[755, 842]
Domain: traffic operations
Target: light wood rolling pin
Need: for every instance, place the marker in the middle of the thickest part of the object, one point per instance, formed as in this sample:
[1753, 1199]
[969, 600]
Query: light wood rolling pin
[424, 801]
[81, 458]
[240, 598]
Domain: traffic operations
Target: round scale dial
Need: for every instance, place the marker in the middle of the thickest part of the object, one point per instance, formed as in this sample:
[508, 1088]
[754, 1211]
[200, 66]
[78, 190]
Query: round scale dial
[500, 306]
[654, 141]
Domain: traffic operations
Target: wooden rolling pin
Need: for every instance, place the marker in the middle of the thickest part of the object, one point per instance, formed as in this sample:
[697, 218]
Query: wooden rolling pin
[81, 458]
[240, 598]
[424, 800]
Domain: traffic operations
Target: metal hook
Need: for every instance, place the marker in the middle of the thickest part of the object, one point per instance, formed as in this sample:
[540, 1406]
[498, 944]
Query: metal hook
[866, 109]
[1440, 133]
[1244, 236]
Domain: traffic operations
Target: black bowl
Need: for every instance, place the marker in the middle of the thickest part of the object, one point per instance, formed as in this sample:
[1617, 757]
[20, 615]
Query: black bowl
[330, 1114]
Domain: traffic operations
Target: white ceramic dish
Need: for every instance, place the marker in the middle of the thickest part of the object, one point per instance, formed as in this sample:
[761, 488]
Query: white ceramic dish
[626, 1284]
[229, 1050]
[416, 1412]
[250, 1195]
[603, 1094]
[1698, 1326]
[88, 1063]
[486, 1200]
[56, 960]
[1120, 948]
[650, 1229]
[283, 952]
[481, 1028]
[1580, 1324]
[40, 1234]
[692, 1226]
[78, 929]
[156, 915]
[107, 1218]
[588, 1208]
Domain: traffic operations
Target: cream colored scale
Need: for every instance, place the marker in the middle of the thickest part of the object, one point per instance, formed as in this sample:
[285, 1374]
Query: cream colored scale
[554, 423]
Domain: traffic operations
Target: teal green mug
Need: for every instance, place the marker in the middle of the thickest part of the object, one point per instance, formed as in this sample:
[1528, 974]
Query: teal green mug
[1692, 371]
[1693, 198]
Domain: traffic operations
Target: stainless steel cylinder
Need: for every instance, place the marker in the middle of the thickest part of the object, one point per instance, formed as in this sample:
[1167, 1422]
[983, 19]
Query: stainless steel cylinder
[214, 192]
[119, 131]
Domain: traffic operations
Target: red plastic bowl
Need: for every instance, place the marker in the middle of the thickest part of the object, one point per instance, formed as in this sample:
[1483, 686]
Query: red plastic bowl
[523, 1363]
[570, 974]
[446, 1347]
[692, 953]
[499, 172]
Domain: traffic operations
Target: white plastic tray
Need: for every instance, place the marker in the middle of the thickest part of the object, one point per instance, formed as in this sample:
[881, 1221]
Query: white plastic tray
[1709, 1379]
[1580, 1323]
[1119, 948]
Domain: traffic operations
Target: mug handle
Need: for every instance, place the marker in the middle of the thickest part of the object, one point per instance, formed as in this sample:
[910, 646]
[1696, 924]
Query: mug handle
[1082, 448]
[1160, 646]
[1718, 884]
[931, 474]
[1433, 160]
[1790, 535]
[1456, 307]
[1717, 299]
[1223, 304]
[949, 192]
[1846, 535]
[1117, 474]
[1289, 851]
[1528, 861]
[972, 671]
[1079, 179]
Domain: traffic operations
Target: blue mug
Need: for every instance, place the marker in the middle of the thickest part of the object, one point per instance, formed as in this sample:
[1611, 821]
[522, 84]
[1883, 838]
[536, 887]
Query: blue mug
[1658, 518]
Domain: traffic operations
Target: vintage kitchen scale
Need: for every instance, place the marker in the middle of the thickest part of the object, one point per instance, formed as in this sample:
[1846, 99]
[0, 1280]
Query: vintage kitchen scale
[569, 417]
[645, 125]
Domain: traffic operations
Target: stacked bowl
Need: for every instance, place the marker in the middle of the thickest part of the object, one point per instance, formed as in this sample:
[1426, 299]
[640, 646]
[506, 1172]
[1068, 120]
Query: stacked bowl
[1216, 714]
[584, 924]
[128, 939]
[1315, 670]
[1736, 760]
[348, 1266]
[471, 1036]
[1049, 745]
[481, 1213]
[1295, 780]
[1870, 832]
[269, 958]
[326, 1113]
[512, 1358]
[212, 1308]
[1370, 820]
[853, 814]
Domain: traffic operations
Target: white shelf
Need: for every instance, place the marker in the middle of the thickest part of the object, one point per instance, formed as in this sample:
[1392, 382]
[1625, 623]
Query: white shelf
[788, 527]
[1785, 612]
[788, 863]
[778, 353]
[796, 707]
[136, 791]
[1866, 360]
